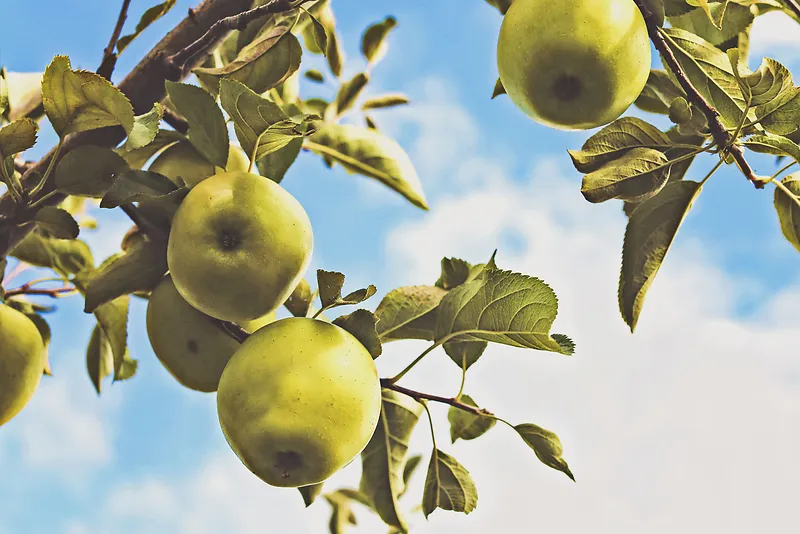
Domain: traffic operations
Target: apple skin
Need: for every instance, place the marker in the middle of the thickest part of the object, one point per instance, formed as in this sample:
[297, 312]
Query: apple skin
[181, 160]
[22, 361]
[298, 401]
[238, 246]
[187, 342]
[575, 64]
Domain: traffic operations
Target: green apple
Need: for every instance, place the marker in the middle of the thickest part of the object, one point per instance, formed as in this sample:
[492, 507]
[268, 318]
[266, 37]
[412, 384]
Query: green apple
[238, 246]
[188, 343]
[22, 361]
[575, 64]
[181, 160]
[298, 401]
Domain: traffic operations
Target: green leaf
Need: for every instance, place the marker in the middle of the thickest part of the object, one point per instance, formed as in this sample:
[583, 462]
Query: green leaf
[45, 333]
[465, 353]
[145, 128]
[263, 64]
[24, 93]
[136, 185]
[88, 171]
[341, 513]
[384, 457]
[385, 101]
[310, 493]
[546, 445]
[781, 115]
[59, 223]
[615, 140]
[466, 425]
[76, 101]
[716, 23]
[372, 154]
[17, 137]
[448, 486]
[149, 17]
[99, 358]
[768, 82]
[409, 470]
[788, 210]
[498, 89]
[361, 324]
[5, 103]
[207, 130]
[260, 125]
[275, 164]
[710, 71]
[773, 144]
[650, 232]
[113, 320]
[408, 313]
[136, 158]
[373, 40]
[504, 307]
[639, 174]
[656, 8]
[299, 302]
[658, 93]
[330, 284]
[314, 75]
[67, 256]
[141, 268]
[348, 92]
[501, 5]
[320, 35]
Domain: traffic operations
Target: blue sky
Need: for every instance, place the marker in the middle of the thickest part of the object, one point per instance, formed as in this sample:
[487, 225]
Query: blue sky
[691, 421]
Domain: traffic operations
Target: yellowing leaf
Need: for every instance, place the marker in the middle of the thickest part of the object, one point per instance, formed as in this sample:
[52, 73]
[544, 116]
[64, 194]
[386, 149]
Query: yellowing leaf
[546, 445]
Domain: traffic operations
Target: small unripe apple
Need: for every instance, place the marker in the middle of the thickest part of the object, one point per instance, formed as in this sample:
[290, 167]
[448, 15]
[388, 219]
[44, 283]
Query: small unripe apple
[238, 246]
[298, 401]
[181, 160]
[22, 361]
[188, 343]
[573, 64]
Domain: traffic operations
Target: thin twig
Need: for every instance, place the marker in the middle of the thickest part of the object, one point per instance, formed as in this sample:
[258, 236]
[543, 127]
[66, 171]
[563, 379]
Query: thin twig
[176, 62]
[106, 68]
[177, 122]
[21, 165]
[234, 330]
[418, 396]
[27, 289]
[721, 135]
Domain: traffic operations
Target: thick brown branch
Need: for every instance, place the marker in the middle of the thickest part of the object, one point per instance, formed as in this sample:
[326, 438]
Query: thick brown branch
[418, 396]
[176, 63]
[144, 86]
[106, 68]
[720, 134]
[176, 121]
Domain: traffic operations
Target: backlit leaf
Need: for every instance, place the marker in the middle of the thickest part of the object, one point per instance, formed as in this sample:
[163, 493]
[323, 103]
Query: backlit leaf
[448, 486]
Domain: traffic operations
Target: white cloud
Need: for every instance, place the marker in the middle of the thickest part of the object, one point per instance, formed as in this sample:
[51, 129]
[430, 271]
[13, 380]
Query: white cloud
[776, 35]
[64, 430]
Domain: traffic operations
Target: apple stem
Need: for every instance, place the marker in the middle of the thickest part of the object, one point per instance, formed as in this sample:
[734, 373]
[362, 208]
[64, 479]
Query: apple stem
[721, 135]
[419, 396]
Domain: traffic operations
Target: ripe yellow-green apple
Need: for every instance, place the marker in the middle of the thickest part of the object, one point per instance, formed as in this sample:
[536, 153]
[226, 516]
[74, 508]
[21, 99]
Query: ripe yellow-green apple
[22, 361]
[188, 343]
[181, 160]
[298, 401]
[238, 246]
[574, 64]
